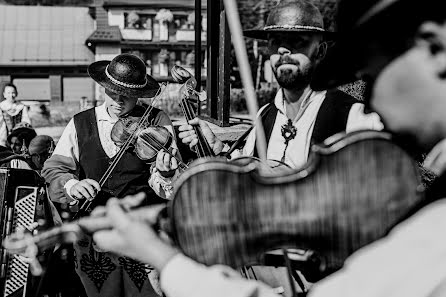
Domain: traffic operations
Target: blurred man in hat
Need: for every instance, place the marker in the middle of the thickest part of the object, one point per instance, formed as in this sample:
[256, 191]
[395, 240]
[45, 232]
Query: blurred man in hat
[20, 138]
[400, 47]
[16, 156]
[83, 154]
[299, 115]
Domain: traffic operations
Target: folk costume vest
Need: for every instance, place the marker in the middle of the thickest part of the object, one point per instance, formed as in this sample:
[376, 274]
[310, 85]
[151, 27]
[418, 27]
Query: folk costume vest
[131, 174]
[331, 118]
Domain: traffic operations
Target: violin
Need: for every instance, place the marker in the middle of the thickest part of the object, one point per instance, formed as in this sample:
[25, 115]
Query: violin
[224, 213]
[149, 140]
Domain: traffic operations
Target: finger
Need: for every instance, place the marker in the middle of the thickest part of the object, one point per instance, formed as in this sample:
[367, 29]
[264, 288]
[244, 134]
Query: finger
[109, 240]
[189, 139]
[148, 214]
[98, 211]
[439, 165]
[185, 134]
[160, 160]
[166, 161]
[174, 151]
[173, 164]
[91, 190]
[193, 143]
[83, 192]
[76, 194]
[119, 218]
[432, 157]
[131, 201]
[185, 127]
[94, 183]
[33, 226]
[194, 121]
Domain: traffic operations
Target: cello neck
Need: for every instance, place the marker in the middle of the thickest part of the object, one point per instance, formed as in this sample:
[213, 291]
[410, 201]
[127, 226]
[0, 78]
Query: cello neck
[203, 149]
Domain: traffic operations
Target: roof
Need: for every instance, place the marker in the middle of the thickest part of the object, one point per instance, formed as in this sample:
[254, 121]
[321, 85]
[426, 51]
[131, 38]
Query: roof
[44, 35]
[108, 34]
[170, 4]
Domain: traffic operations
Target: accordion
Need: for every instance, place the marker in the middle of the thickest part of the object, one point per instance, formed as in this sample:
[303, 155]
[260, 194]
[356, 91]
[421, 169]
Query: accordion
[23, 202]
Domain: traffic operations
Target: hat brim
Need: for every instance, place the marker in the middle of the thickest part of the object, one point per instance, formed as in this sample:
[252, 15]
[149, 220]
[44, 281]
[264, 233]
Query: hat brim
[97, 72]
[16, 132]
[339, 67]
[263, 34]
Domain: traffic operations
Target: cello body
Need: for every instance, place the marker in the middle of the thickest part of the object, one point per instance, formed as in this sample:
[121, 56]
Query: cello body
[352, 190]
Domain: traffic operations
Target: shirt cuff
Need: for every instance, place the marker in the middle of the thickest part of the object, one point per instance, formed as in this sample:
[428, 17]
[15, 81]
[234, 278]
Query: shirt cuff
[68, 185]
[175, 282]
[162, 185]
[226, 148]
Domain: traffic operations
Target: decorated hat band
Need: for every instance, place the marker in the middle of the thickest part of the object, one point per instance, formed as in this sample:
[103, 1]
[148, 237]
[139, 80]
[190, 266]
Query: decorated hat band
[293, 27]
[123, 84]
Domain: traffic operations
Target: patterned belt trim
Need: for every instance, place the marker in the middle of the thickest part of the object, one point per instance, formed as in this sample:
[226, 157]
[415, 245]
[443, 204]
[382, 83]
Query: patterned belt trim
[290, 27]
[123, 84]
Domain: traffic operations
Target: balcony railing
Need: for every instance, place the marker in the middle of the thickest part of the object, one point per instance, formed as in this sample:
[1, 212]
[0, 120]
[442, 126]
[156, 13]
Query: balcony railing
[188, 35]
[136, 34]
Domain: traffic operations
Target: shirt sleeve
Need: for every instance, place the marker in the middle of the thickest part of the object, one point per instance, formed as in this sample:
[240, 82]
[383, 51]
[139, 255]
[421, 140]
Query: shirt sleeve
[409, 262]
[183, 277]
[62, 169]
[359, 120]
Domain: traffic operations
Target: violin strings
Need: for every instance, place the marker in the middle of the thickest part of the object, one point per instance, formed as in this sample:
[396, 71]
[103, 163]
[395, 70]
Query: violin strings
[153, 139]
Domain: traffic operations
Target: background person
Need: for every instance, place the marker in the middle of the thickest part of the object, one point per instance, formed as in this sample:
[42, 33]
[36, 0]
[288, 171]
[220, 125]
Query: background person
[13, 112]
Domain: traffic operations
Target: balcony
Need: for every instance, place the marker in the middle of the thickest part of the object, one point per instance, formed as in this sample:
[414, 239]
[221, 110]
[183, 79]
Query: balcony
[136, 34]
[188, 35]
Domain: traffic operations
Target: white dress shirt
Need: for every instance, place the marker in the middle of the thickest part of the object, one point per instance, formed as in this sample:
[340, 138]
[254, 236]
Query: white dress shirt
[296, 154]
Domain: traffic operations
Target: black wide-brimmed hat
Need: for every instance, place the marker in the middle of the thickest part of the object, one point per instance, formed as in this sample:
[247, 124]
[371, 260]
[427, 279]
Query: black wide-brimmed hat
[24, 131]
[361, 21]
[125, 75]
[291, 16]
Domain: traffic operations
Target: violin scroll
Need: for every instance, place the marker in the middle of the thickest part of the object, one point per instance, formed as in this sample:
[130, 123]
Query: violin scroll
[179, 74]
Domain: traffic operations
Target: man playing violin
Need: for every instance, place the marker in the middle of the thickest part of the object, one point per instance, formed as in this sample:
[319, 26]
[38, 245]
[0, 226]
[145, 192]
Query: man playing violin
[299, 115]
[85, 151]
[400, 46]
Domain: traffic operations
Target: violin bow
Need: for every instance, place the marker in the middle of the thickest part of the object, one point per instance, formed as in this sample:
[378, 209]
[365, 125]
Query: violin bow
[235, 28]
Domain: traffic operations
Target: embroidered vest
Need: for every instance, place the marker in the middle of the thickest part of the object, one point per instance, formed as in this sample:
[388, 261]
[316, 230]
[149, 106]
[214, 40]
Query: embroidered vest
[11, 121]
[131, 174]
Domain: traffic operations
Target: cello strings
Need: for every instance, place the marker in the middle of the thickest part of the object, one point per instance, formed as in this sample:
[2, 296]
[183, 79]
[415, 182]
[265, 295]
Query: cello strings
[202, 145]
[188, 118]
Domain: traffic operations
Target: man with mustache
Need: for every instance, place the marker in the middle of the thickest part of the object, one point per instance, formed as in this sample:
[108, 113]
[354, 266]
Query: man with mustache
[400, 46]
[299, 116]
[83, 154]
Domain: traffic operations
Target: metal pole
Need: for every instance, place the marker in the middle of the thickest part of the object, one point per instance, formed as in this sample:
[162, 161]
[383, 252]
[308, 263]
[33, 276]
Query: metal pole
[198, 44]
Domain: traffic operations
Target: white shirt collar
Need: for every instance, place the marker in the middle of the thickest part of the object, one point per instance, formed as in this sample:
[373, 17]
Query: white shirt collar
[311, 95]
[103, 115]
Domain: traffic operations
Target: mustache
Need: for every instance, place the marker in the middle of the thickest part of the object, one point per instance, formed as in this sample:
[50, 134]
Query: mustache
[286, 60]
